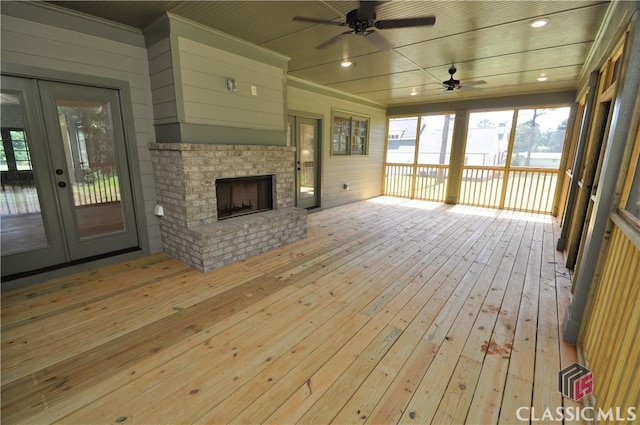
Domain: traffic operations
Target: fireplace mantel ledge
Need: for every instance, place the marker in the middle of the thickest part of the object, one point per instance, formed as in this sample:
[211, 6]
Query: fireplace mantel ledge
[215, 147]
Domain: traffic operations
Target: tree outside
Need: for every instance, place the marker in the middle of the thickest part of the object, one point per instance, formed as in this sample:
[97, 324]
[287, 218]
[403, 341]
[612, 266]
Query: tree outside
[539, 137]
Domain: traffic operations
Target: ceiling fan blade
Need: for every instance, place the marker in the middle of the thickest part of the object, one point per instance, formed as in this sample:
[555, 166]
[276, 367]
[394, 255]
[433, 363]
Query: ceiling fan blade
[405, 22]
[474, 83]
[378, 40]
[318, 21]
[469, 88]
[332, 40]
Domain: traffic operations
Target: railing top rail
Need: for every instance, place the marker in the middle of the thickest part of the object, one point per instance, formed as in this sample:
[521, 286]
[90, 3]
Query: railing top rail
[433, 165]
[398, 164]
[530, 169]
[535, 169]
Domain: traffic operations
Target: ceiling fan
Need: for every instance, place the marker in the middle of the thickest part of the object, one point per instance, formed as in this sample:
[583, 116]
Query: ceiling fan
[362, 21]
[452, 84]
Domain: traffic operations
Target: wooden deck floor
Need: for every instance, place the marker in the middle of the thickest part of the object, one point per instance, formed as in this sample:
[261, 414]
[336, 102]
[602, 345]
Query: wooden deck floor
[390, 311]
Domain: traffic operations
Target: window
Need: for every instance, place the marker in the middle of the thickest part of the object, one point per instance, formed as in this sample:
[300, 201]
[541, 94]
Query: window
[359, 140]
[341, 133]
[14, 152]
[350, 134]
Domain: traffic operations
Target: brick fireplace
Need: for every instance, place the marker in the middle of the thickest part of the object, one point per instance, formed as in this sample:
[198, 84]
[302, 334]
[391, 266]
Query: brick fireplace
[197, 230]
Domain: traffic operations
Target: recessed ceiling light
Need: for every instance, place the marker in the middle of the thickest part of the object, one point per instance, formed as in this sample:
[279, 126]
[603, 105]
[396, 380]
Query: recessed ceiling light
[414, 93]
[346, 63]
[542, 77]
[539, 23]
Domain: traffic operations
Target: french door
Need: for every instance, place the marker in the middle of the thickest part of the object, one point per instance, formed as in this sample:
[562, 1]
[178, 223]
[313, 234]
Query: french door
[66, 191]
[305, 133]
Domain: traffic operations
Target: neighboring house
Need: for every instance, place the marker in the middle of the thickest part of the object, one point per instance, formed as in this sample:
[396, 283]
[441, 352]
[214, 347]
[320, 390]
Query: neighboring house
[485, 147]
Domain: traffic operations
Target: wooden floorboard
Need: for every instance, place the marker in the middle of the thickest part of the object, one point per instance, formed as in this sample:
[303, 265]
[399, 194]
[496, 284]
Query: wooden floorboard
[390, 311]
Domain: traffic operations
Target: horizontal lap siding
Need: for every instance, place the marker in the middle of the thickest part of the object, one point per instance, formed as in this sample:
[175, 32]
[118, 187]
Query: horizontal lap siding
[204, 71]
[162, 82]
[42, 46]
[363, 173]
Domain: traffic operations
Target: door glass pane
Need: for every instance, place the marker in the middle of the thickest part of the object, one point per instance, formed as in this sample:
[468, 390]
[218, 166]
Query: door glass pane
[539, 137]
[87, 134]
[307, 161]
[21, 221]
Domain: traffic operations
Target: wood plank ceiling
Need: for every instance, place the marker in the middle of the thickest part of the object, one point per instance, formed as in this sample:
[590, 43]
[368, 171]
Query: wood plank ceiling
[487, 40]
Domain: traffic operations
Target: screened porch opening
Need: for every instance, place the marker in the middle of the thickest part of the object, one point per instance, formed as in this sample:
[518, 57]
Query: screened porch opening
[511, 158]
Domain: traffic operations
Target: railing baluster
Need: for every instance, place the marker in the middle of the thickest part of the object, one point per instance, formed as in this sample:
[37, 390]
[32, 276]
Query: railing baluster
[486, 198]
[547, 207]
[522, 193]
[474, 179]
[537, 202]
[517, 183]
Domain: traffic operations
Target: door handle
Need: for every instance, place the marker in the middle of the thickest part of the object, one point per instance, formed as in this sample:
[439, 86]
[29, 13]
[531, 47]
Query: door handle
[62, 184]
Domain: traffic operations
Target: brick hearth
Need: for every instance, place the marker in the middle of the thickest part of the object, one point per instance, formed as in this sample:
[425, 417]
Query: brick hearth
[185, 176]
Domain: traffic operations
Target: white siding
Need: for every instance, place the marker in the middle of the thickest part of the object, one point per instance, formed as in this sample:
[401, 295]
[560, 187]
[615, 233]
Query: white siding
[42, 46]
[363, 173]
[204, 71]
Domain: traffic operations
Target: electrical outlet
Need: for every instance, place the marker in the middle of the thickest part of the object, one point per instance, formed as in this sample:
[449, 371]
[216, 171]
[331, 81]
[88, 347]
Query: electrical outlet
[254, 91]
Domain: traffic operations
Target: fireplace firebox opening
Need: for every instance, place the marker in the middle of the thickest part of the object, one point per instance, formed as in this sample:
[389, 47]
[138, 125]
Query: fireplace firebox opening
[244, 195]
